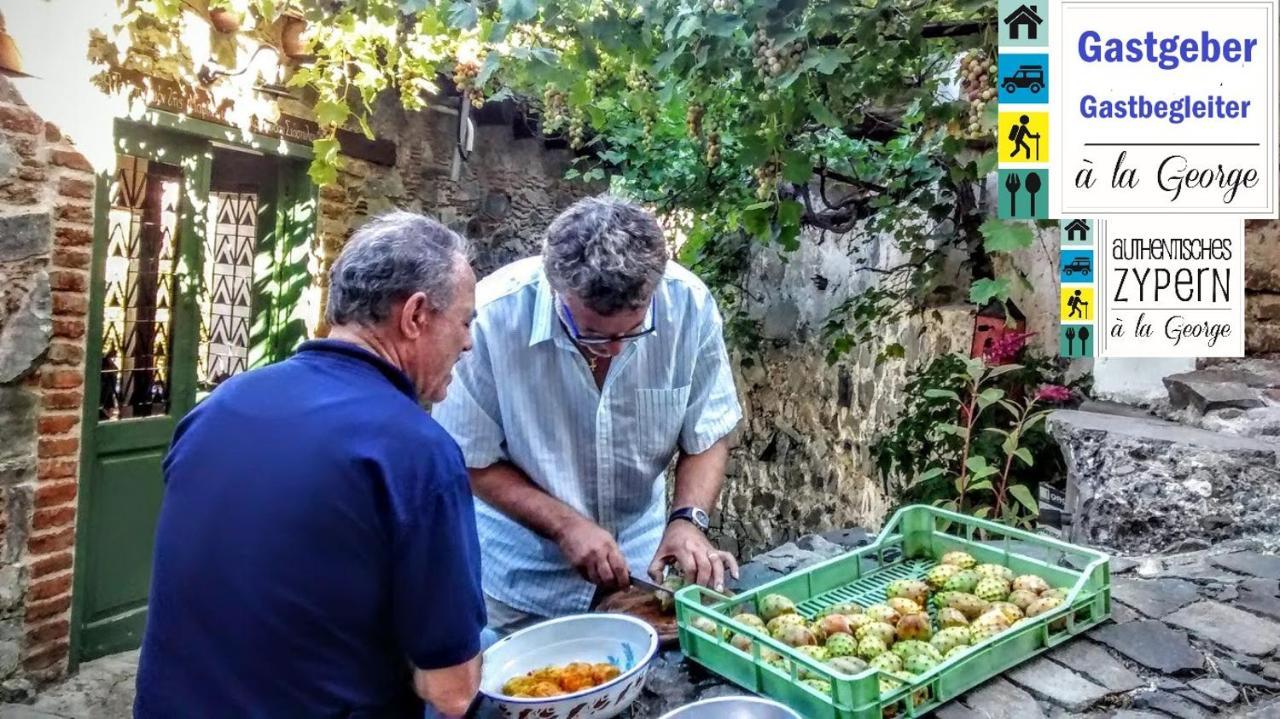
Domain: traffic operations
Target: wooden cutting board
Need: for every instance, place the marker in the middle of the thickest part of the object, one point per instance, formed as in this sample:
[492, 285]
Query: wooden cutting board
[641, 604]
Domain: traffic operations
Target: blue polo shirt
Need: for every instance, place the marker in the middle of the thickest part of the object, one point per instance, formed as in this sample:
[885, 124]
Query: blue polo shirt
[316, 537]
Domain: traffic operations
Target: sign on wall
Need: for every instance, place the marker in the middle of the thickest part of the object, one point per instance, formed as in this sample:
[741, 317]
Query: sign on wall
[1164, 106]
[1169, 287]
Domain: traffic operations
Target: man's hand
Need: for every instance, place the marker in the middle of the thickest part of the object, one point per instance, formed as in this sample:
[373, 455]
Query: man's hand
[594, 553]
[701, 561]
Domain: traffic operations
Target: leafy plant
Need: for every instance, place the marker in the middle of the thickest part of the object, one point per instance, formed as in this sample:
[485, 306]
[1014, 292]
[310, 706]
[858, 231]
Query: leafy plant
[736, 119]
[971, 435]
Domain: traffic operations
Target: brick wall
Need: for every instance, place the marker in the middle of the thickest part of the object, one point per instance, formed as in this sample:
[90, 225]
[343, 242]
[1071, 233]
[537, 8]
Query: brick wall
[46, 203]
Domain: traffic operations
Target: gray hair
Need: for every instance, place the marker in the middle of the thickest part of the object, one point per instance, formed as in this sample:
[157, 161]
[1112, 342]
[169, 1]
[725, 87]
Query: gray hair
[608, 252]
[390, 258]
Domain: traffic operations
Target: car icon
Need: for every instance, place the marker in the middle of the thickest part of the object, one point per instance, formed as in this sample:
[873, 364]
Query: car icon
[1079, 264]
[1028, 76]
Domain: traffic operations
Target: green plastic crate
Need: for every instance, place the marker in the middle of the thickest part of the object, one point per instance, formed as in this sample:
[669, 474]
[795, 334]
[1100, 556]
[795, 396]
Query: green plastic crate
[907, 547]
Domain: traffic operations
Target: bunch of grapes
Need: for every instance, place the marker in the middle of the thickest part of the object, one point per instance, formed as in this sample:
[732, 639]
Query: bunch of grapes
[554, 109]
[464, 76]
[638, 80]
[577, 131]
[978, 83]
[770, 59]
[766, 180]
[693, 119]
[726, 6]
[713, 149]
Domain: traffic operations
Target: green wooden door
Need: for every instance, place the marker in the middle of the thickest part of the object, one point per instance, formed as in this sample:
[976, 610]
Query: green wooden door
[196, 266]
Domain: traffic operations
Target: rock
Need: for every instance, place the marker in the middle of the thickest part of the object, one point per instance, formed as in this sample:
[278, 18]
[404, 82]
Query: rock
[22, 711]
[1092, 661]
[25, 335]
[1118, 409]
[1185, 478]
[1196, 697]
[1228, 627]
[1154, 597]
[1133, 714]
[1259, 596]
[1121, 614]
[1150, 568]
[25, 236]
[850, 538]
[1151, 644]
[1216, 689]
[1206, 393]
[10, 645]
[999, 699]
[1121, 565]
[1252, 563]
[1234, 674]
[1261, 422]
[753, 574]
[1056, 683]
[13, 585]
[1169, 704]
[1268, 710]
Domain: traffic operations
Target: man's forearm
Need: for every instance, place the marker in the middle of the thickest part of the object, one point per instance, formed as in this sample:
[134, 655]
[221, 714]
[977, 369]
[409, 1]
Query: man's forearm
[506, 488]
[699, 477]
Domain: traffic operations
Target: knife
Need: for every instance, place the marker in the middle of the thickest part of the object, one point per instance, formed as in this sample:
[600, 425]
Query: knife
[646, 584]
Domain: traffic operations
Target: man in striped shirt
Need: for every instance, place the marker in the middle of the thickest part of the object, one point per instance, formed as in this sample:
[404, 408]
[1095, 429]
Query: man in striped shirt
[594, 365]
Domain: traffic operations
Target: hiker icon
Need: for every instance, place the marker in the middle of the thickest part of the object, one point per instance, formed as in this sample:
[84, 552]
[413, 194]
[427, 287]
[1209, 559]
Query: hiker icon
[1078, 306]
[1019, 133]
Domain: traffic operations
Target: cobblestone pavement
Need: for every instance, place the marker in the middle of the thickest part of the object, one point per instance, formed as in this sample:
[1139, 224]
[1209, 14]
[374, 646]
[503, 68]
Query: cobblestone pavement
[1193, 635]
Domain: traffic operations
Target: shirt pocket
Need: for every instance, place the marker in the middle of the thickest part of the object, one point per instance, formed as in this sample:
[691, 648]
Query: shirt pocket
[659, 417]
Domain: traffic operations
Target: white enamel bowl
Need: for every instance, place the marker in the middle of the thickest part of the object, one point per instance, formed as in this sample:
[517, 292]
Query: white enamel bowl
[733, 708]
[623, 641]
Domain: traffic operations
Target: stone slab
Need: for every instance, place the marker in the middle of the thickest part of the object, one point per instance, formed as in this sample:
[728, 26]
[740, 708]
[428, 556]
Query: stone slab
[1157, 430]
[1264, 603]
[1001, 699]
[1196, 697]
[1152, 644]
[1095, 663]
[1217, 689]
[1058, 684]
[1205, 394]
[25, 334]
[1238, 675]
[1229, 627]
[1251, 563]
[25, 236]
[1135, 714]
[1154, 597]
[1121, 614]
[1170, 704]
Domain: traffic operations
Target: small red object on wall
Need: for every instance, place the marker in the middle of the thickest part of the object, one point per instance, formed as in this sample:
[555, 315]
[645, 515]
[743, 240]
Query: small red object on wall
[992, 323]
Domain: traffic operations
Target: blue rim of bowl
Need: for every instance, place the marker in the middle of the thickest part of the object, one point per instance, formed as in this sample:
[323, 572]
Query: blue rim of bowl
[642, 664]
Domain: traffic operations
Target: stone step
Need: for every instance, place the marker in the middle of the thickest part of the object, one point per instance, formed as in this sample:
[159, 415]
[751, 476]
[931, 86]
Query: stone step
[1145, 485]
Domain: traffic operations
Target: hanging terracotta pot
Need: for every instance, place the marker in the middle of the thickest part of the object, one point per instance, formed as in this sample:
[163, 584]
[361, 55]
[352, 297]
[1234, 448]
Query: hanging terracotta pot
[291, 42]
[10, 58]
[224, 20]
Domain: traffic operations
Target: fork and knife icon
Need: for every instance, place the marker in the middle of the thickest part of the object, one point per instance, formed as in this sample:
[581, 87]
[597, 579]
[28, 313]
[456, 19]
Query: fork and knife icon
[1072, 334]
[1013, 184]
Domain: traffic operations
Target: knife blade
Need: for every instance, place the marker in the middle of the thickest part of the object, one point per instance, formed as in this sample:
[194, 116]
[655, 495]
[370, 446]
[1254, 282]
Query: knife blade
[646, 584]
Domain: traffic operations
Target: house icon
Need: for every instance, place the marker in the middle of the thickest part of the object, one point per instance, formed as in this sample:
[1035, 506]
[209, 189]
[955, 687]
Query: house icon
[1077, 231]
[1024, 17]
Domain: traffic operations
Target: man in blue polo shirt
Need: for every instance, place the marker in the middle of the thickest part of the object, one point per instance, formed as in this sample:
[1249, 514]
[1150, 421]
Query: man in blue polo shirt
[316, 554]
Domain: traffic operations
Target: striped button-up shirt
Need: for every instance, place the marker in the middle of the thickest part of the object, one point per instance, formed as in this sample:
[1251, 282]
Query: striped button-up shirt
[525, 394]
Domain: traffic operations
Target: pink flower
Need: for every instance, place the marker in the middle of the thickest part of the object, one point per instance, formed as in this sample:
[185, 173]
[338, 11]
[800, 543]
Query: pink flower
[1053, 393]
[1006, 349]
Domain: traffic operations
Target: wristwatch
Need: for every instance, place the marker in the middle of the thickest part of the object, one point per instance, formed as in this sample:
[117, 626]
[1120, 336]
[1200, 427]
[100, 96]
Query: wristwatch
[694, 515]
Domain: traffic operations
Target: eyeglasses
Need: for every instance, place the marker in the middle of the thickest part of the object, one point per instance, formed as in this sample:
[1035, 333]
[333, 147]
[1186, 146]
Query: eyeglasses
[567, 318]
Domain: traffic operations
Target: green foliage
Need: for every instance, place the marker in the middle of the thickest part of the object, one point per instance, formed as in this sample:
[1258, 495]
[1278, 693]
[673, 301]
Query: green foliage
[734, 119]
[971, 436]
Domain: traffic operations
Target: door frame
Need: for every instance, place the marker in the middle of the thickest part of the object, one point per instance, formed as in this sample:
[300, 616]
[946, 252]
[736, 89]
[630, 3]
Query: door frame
[295, 198]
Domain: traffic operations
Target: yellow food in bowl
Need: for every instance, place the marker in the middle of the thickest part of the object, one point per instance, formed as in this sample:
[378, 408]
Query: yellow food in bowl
[556, 681]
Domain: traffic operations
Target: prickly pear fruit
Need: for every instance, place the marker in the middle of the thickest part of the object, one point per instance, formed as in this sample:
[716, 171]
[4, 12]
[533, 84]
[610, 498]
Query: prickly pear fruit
[903, 606]
[884, 632]
[847, 665]
[1023, 598]
[995, 571]
[842, 645]
[1010, 611]
[992, 589]
[914, 626]
[796, 636]
[776, 624]
[964, 581]
[919, 664]
[749, 620]
[883, 613]
[1030, 583]
[887, 662]
[913, 589]
[950, 638]
[870, 647]
[703, 624]
[937, 577]
[951, 617]
[741, 642]
[963, 560]
[969, 605]
[775, 605]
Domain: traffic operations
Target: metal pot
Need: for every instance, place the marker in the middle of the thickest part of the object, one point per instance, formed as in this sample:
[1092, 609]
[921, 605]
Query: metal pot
[733, 708]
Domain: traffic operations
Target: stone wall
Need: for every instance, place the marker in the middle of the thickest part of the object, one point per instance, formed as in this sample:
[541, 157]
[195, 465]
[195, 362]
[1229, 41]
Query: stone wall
[46, 191]
[1262, 285]
[506, 194]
